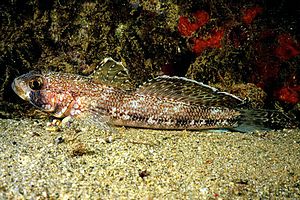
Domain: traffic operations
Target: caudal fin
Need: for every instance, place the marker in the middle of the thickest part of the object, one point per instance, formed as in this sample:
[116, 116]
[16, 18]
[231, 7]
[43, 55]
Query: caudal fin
[264, 120]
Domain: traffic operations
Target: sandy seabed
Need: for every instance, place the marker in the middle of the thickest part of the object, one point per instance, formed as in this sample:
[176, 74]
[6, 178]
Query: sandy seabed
[38, 162]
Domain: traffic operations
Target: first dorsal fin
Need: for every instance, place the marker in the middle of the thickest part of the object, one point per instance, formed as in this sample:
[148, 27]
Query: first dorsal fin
[113, 73]
[189, 91]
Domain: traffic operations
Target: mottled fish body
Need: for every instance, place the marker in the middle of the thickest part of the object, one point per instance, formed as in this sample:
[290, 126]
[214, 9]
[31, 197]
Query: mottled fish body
[161, 103]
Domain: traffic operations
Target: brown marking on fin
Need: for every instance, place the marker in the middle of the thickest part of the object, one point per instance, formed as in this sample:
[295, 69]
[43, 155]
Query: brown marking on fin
[113, 73]
[189, 91]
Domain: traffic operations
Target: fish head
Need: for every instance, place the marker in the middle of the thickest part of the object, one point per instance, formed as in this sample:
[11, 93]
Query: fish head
[42, 91]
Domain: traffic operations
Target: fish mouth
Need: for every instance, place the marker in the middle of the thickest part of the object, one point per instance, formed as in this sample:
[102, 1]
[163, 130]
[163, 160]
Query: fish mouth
[20, 89]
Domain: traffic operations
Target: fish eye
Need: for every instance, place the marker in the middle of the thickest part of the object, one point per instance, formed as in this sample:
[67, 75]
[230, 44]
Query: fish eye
[36, 83]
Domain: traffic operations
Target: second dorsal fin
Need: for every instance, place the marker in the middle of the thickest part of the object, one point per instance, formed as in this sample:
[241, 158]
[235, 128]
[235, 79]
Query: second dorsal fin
[112, 73]
[189, 91]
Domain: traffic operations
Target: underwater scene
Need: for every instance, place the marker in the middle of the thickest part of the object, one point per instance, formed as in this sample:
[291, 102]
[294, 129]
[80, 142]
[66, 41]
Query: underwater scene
[154, 99]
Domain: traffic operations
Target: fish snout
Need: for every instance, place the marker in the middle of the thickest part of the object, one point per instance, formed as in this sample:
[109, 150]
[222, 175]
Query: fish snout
[20, 88]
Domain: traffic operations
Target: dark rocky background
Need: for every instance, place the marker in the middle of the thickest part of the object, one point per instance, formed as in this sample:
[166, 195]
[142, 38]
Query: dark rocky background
[249, 48]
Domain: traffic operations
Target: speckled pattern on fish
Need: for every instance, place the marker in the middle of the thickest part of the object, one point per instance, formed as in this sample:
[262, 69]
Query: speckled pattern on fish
[161, 103]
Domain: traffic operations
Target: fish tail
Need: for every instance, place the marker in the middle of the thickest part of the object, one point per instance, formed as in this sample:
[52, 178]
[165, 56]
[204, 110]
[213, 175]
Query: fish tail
[263, 120]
